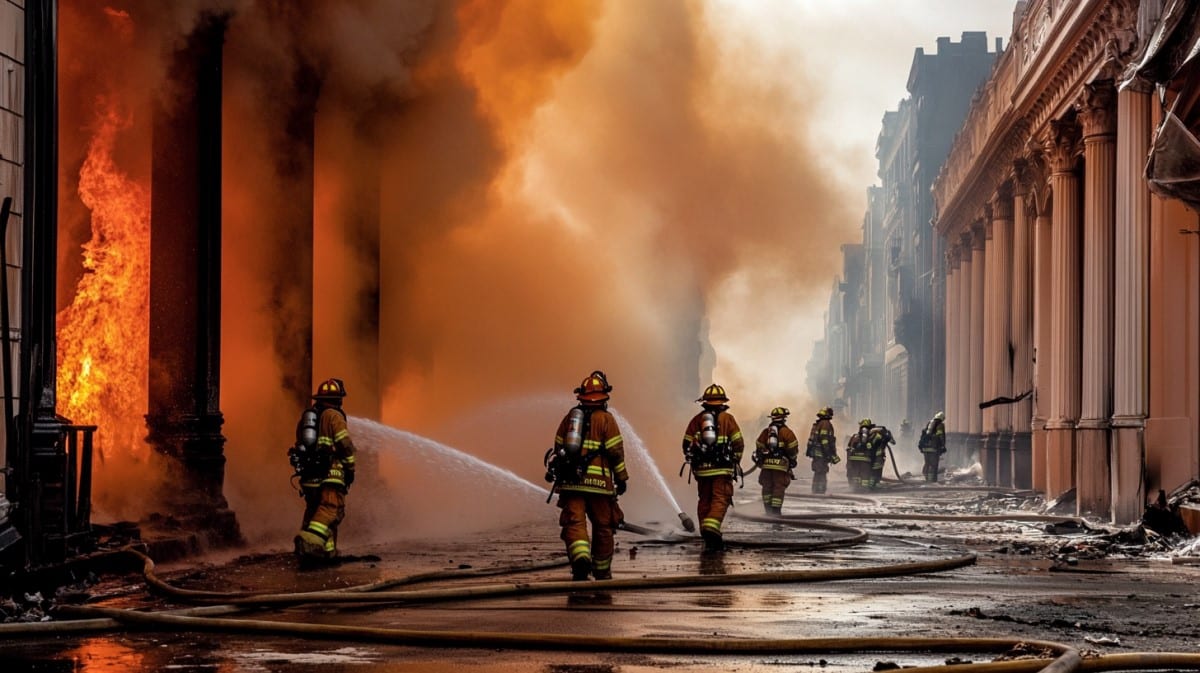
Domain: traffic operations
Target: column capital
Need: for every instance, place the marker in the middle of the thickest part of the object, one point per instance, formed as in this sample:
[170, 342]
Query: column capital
[1002, 203]
[978, 236]
[1060, 144]
[1097, 108]
[1020, 176]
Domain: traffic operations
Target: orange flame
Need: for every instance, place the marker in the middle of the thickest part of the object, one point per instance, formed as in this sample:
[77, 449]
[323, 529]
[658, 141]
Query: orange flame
[103, 336]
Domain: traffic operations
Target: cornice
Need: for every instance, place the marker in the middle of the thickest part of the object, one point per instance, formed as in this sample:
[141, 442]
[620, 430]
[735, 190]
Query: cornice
[1058, 47]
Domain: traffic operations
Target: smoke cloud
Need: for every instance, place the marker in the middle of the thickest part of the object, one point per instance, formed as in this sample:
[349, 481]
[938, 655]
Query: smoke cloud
[508, 195]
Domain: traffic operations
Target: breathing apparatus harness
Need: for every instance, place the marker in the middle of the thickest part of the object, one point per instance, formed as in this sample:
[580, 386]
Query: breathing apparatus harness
[570, 460]
[705, 447]
[306, 457]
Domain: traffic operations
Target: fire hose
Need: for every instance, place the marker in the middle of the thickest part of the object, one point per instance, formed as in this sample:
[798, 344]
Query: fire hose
[1066, 659]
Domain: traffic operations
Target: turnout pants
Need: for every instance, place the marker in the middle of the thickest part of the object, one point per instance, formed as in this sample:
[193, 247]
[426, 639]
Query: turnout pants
[774, 483]
[820, 468]
[930, 468]
[604, 513]
[324, 509]
[715, 496]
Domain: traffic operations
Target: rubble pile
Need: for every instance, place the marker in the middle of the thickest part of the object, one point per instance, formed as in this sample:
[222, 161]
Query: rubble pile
[34, 607]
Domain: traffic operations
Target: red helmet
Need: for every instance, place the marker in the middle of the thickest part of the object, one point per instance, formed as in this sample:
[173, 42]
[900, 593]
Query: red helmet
[332, 390]
[594, 388]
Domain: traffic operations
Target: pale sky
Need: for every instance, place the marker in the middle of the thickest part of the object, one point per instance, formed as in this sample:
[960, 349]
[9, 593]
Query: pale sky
[855, 55]
[859, 52]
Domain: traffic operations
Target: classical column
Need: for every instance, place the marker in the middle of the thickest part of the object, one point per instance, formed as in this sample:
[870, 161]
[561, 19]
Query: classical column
[1064, 308]
[975, 393]
[987, 440]
[1002, 282]
[950, 354]
[1131, 316]
[1043, 354]
[1021, 332]
[1096, 115]
[966, 276]
[184, 417]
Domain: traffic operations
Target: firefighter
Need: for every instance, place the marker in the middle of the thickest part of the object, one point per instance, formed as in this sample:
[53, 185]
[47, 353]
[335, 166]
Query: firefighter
[932, 445]
[712, 445]
[879, 440]
[328, 474]
[822, 449]
[775, 455]
[859, 457]
[587, 466]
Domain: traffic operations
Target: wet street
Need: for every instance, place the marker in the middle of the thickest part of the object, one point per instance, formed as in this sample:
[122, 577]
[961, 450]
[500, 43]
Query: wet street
[1110, 605]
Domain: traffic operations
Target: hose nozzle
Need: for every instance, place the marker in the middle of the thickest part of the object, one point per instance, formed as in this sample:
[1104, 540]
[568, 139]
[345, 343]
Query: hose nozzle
[688, 524]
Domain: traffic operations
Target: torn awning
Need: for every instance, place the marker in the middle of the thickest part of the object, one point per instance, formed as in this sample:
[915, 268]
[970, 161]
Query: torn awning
[1170, 59]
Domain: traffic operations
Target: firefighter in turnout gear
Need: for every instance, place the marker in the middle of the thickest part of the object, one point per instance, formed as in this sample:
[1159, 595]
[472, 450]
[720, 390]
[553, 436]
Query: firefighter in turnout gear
[859, 457]
[587, 466]
[879, 440]
[932, 445]
[326, 471]
[712, 446]
[822, 449]
[775, 455]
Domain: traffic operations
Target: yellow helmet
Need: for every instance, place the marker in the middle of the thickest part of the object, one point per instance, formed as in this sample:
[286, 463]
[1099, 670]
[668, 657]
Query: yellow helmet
[825, 412]
[779, 413]
[714, 394]
[594, 389]
[865, 423]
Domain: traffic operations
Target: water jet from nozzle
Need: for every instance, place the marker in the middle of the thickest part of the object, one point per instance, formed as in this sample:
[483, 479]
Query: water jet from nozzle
[688, 524]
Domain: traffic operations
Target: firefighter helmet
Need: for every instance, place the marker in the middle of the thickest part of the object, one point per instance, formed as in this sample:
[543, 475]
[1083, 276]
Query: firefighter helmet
[331, 390]
[865, 423]
[714, 394]
[940, 416]
[779, 413]
[594, 388]
[825, 412]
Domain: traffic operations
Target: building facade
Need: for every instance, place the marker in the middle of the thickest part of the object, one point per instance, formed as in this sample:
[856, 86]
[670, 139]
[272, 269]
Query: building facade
[893, 366]
[12, 162]
[1071, 290]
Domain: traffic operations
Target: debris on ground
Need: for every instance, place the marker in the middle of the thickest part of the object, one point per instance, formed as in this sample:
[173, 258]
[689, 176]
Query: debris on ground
[1027, 651]
[1103, 640]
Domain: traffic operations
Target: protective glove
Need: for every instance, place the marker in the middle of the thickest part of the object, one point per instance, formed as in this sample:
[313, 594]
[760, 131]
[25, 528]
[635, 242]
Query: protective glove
[620, 488]
[349, 478]
[835, 459]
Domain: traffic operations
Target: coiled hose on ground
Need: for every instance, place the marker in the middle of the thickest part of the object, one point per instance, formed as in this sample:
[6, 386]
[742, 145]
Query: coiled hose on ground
[213, 618]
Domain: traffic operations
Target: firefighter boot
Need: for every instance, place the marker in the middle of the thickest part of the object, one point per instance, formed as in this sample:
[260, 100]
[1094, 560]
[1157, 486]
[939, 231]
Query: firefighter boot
[309, 545]
[580, 568]
[712, 540]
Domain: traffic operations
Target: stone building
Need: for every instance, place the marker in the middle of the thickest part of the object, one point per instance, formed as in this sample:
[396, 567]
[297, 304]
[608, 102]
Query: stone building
[1067, 278]
[891, 318]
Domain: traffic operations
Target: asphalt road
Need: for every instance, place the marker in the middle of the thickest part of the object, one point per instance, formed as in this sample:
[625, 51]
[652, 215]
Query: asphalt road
[1113, 605]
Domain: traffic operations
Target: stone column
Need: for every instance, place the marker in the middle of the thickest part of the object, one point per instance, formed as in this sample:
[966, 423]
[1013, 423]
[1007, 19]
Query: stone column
[1021, 332]
[1065, 317]
[966, 276]
[1043, 354]
[1131, 315]
[975, 393]
[184, 417]
[1002, 282]
[987, 440]
[952, 311]
[1096, 114]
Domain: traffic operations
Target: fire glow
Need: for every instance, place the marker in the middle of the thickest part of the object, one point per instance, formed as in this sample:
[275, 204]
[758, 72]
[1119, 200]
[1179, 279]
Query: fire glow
[103, 335]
